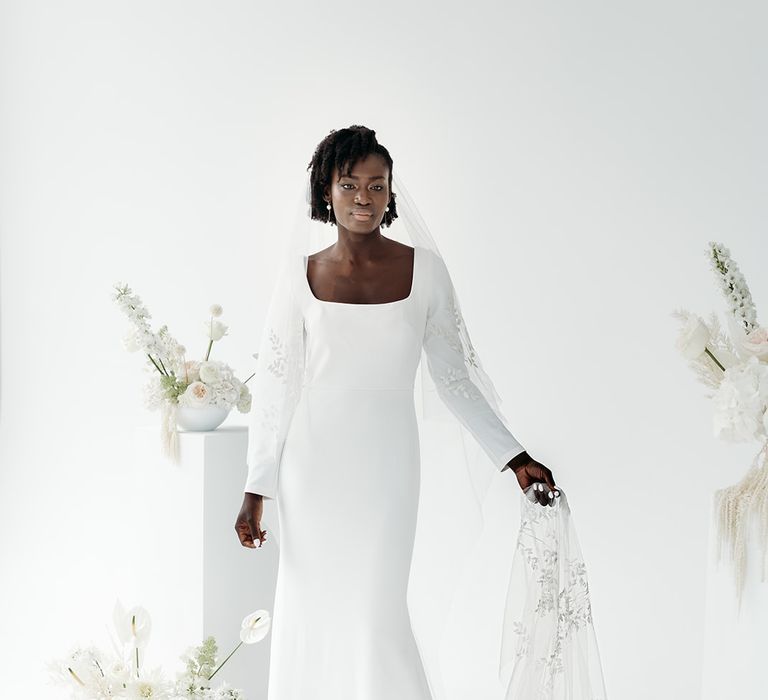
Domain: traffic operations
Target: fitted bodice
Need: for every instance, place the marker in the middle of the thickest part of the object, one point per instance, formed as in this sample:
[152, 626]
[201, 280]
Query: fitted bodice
[366, 346]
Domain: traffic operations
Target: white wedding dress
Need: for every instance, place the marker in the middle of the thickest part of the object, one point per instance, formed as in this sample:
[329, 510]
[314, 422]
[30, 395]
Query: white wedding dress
[345, 472]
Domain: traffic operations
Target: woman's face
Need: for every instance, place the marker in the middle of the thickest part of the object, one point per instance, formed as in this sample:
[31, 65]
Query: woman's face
[359, 199]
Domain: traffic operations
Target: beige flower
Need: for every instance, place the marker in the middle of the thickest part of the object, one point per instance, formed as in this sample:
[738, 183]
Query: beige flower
[197, 394]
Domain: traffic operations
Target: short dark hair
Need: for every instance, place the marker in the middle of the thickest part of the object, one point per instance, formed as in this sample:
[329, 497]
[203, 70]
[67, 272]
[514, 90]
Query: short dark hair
[341, 149]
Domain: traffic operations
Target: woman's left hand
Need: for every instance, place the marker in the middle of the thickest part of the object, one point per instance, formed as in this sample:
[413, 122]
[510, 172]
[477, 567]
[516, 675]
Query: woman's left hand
[533, 472]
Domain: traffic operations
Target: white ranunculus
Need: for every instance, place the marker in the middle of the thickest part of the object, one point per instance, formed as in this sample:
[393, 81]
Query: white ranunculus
[740, 402]
[209, 373]
[255, 626]
[197, 394]
[215, 330]
[693, 338]
[130, 341]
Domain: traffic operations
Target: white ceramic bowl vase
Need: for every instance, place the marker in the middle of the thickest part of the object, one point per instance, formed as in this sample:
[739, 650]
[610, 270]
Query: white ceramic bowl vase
[200, 419]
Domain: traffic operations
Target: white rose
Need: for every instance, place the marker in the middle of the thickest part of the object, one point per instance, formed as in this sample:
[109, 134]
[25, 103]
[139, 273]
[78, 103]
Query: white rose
[215, 330]
[693, 338]
[210, 373]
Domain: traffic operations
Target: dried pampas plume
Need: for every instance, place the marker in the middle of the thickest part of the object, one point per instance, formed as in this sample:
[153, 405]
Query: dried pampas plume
[736, 508]
[169, 436]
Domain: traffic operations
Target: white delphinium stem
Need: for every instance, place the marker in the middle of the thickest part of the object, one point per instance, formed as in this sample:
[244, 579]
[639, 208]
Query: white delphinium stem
[152, 343]
[733, 285]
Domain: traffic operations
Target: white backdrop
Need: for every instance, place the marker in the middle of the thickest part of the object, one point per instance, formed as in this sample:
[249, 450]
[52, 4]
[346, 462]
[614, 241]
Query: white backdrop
[583, 152]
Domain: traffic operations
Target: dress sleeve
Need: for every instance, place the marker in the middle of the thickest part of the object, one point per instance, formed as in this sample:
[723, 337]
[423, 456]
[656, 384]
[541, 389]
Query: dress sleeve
[277, 384]
[448, 364]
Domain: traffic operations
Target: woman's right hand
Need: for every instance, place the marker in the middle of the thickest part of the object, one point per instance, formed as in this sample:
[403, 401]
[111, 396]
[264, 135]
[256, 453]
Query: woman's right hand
[248, 523]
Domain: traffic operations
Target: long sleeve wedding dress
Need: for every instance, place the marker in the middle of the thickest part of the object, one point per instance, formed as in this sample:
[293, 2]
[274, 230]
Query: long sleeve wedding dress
[351, 455]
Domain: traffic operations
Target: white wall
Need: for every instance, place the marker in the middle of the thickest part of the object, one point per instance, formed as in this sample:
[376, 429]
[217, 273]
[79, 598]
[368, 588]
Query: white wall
[578, 155]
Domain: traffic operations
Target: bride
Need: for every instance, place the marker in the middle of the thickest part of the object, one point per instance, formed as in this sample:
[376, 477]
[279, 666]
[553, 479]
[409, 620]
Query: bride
[335, 438]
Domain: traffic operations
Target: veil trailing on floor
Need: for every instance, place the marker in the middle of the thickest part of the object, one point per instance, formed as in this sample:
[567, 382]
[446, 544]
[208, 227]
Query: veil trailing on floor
[548, 648]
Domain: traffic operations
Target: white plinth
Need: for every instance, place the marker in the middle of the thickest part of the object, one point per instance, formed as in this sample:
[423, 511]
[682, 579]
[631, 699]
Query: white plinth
[195, 577]
[735, 646]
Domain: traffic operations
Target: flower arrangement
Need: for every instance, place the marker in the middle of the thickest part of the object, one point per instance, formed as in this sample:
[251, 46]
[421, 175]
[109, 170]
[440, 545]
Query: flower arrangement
[735, 367]
[92, 674]
[176, 381]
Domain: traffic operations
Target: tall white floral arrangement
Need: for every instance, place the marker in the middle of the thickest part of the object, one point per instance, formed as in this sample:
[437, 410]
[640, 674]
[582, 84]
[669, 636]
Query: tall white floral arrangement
[90, 673]
[734, 365]
[176, 381]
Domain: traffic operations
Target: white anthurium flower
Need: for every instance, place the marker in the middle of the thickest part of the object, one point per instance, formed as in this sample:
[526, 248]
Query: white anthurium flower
[132, 626]
[130, 341]
[216, 310]
[80, 671]
[693, 338]
[210, 373]
[215, 330]
[255, 626]
[197, 394]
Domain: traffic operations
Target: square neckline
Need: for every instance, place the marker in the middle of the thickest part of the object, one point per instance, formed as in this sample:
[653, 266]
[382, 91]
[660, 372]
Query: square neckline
[355, 303]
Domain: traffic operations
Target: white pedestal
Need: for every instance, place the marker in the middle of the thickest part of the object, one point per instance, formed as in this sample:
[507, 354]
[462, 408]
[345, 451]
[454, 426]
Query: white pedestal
[735, 646]
[195, 578]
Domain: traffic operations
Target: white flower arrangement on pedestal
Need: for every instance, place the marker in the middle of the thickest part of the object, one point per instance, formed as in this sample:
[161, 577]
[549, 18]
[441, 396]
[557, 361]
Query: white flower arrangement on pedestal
[92, 674]
[178, 384]
[736, 368]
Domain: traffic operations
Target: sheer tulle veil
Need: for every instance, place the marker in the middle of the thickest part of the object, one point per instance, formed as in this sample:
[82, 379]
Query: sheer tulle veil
[547, 642]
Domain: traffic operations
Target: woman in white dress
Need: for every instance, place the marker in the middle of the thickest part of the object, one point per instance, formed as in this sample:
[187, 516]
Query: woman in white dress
[342, 457]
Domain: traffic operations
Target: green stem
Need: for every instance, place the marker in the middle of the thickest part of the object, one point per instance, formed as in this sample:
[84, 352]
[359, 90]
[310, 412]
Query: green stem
[155, 363]
[225, 660]
[251, 377]
[208, 354]
[706, 350]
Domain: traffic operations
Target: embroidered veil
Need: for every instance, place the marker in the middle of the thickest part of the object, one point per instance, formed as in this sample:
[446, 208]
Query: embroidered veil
[548, 649]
